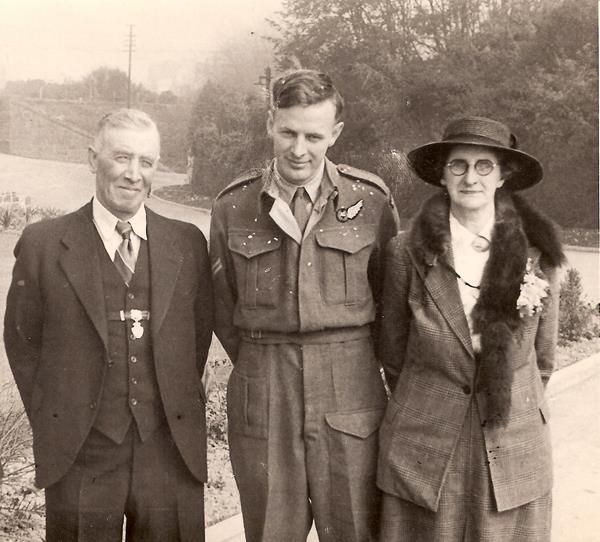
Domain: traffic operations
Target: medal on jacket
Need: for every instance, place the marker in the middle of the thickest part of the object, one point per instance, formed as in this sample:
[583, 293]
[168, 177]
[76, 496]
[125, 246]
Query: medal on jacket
[136, 329]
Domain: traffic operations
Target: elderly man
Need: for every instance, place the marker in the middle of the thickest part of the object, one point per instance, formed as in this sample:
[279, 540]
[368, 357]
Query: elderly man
[107, 328]
[296, 255]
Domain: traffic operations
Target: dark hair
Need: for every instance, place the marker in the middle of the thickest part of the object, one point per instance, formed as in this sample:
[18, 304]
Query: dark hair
[305, 87]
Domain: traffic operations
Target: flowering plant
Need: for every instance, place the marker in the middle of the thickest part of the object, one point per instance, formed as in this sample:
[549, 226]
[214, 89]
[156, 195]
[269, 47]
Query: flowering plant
[533, 290]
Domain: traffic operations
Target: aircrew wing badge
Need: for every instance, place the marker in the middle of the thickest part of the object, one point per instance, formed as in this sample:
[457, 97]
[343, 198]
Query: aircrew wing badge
[344, 214]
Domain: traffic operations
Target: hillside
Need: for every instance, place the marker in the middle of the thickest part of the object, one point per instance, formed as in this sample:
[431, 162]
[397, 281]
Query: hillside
[61, 130]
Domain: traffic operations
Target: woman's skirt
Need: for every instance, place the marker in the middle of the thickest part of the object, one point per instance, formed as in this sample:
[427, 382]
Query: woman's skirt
[467, 509]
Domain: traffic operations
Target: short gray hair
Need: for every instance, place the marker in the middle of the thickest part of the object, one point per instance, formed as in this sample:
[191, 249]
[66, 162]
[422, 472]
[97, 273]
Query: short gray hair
[124, 118]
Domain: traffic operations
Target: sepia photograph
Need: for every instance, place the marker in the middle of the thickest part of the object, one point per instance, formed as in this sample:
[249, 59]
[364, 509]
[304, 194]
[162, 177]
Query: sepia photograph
[299, 271]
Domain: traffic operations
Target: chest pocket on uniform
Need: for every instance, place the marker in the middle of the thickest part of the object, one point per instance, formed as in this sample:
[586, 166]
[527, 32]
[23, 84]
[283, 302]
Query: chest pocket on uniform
[257, 261]
[344, 261]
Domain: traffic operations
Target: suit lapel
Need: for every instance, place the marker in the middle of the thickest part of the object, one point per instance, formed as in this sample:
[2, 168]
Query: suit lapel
[441, 284]
[81, 264]
[165, 263]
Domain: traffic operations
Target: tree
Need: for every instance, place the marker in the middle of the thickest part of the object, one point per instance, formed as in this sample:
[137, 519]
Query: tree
[226, 136]
[405, 67]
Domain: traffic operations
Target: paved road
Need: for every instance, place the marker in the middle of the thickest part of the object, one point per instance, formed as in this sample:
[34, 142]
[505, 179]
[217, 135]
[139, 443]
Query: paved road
[68, 186]
[575, 425]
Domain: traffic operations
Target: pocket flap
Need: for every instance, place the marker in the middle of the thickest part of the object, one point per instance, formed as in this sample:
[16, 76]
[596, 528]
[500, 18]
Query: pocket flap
[358, 423]
[250, 244]
[347, 239]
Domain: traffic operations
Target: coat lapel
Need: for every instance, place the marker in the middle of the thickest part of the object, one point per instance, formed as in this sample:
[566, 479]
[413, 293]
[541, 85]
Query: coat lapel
[81, 264]
[165, 263]
[441, 284]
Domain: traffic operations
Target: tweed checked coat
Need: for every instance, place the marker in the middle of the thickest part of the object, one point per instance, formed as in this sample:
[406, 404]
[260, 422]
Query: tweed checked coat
[56, 334]
[434, 373]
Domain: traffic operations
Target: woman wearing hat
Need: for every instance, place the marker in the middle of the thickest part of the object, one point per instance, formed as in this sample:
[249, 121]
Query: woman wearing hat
[469, 328]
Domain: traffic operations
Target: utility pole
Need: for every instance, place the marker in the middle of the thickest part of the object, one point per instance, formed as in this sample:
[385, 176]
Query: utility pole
[130, 47]
[265, 82]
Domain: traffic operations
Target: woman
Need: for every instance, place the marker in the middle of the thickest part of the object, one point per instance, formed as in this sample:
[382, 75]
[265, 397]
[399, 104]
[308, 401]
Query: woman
[469, 329]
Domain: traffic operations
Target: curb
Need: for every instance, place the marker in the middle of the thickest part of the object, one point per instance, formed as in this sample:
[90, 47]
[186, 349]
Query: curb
[577, 248]
[182, 205]
[572, 375]
[227, 530]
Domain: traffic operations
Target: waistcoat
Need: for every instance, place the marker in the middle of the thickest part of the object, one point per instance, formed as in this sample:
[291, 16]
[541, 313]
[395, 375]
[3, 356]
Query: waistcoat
[130, 390]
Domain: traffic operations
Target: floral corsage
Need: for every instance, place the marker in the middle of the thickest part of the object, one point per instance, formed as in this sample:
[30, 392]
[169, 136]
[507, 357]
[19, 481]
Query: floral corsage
[533, 291]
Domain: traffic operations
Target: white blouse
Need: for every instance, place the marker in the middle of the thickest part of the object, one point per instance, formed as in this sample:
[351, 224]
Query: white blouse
[469, 262]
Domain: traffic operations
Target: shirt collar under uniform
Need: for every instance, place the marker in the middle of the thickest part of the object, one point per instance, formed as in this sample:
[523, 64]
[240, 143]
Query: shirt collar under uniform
[106, 222]
[287, 189]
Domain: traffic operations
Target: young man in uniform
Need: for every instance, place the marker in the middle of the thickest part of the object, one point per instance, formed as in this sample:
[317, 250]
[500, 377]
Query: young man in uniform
[296, 254]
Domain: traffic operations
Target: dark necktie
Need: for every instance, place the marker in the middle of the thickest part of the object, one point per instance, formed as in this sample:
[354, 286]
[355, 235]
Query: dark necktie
[301, 206]
[124, 255]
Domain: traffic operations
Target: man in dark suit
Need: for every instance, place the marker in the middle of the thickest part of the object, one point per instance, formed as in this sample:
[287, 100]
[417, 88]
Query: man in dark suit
[107, 329]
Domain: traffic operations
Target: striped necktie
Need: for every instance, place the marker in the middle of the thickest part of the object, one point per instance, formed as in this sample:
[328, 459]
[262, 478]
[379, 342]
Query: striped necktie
[124, 255]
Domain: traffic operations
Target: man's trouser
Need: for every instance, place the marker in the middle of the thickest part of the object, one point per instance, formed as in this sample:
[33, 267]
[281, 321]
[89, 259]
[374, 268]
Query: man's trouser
[147, 482]
[303, 413]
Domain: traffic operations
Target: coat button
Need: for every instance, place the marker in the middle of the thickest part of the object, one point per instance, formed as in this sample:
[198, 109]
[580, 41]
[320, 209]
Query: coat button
[130, 296]
[133, 359]
[467, 390]
[110, 362]
[92, 405]
[133, 402]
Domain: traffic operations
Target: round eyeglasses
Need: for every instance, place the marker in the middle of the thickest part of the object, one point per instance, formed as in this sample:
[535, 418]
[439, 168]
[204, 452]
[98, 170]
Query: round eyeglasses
[459, 166]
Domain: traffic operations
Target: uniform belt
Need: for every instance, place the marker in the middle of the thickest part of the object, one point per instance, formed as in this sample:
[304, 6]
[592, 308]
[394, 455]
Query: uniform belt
[133, 314]
[336, 335]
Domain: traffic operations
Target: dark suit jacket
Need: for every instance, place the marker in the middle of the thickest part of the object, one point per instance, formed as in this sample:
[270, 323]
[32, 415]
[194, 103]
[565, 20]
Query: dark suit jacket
[56, 334]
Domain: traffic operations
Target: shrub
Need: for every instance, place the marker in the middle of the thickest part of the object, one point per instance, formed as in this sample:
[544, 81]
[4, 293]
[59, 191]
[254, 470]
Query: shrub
[8, 216]
[577, 319]
[21, 504]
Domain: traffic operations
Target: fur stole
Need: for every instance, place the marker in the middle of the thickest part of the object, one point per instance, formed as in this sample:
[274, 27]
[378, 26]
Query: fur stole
[495, 315]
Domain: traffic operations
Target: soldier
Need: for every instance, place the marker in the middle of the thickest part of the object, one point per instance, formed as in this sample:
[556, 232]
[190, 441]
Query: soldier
[296, 257]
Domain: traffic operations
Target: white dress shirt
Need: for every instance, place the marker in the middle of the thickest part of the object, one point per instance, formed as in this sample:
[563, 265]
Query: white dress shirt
[106, 223]
[469, 264]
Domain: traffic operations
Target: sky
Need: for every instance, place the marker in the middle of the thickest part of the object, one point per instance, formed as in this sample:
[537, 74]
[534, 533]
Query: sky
[58, 40]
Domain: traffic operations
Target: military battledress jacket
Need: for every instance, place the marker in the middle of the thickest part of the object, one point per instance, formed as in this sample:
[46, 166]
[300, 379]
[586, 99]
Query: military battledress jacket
[326, 289]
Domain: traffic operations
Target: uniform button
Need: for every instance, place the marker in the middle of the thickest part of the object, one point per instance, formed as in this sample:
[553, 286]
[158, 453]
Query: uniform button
[130, 296]
[467, 390]
[92, 405]
[133, 359]
[309, 264]
[110, 362]
[133, 402]
[134, 381]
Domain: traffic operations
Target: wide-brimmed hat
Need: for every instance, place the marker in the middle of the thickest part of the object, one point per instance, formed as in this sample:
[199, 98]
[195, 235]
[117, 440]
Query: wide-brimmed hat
[481, 132]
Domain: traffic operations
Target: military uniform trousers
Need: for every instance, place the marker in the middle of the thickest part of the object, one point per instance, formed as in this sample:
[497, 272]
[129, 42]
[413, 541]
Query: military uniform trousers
[304, 412]
[147, 482]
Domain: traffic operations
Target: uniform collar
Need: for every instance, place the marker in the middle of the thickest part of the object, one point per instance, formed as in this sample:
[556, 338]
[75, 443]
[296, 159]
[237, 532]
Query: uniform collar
[287, 189]
[328, 184]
